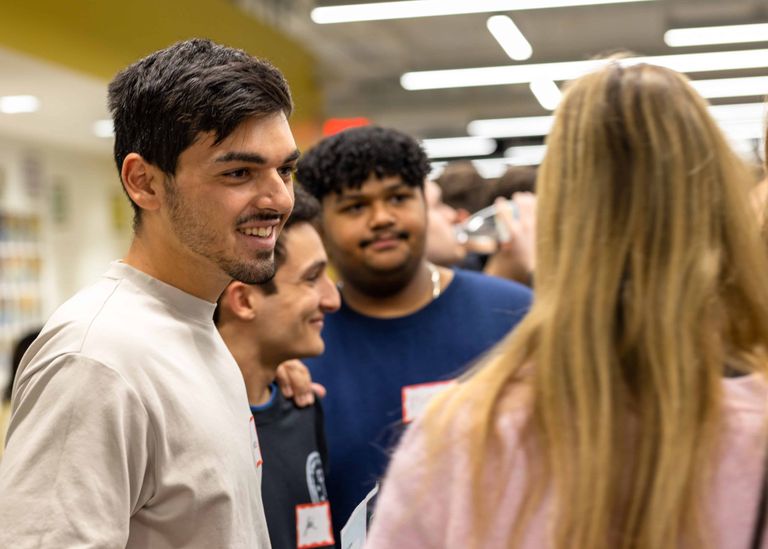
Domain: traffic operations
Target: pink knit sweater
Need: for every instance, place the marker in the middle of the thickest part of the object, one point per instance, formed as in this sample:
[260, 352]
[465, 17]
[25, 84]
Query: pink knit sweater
[427, 503]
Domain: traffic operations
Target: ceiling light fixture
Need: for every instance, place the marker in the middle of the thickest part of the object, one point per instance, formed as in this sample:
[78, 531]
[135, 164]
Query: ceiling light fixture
[525, 155]
[491, 168]
[744, 120]
[727, 34]
[546, 93]
[568, 70]
[509, 37]
[103, 128]
[732, 87]
[458, 146]
[16, 104]
[524, 126]
[410, 9]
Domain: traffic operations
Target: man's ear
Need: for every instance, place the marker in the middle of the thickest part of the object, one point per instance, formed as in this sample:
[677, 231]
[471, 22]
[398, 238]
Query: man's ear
[242, 300]
[142, 181]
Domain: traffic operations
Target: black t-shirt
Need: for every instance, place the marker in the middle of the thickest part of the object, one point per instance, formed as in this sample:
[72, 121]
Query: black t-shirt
[292, 442]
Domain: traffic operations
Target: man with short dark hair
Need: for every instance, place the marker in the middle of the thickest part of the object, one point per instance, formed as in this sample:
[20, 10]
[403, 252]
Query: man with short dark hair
[265, 325]
[405, 325]
[130, 423]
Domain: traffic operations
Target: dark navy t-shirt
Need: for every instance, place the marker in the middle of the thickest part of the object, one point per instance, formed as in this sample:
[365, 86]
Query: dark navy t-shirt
[368, 361]
[292, 444]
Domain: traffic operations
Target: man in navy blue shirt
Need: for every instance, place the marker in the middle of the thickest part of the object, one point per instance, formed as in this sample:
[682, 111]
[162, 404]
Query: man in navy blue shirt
[406, 327]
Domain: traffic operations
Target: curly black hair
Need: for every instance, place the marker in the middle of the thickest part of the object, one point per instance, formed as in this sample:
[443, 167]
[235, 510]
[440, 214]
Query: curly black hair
[347, 159]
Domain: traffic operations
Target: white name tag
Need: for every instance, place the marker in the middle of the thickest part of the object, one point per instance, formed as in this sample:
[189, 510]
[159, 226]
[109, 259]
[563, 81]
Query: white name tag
[313, 525]
[255, 448]
[416, 397]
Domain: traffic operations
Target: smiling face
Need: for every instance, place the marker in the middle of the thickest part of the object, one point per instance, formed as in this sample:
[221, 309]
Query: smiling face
[227, 202]
[375, 234]
[288, 322]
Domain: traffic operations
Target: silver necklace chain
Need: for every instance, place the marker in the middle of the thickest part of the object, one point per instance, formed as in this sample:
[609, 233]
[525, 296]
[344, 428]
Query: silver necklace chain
[435, 277]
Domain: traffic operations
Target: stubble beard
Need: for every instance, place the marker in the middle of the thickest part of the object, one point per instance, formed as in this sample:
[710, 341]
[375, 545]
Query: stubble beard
[194, 231]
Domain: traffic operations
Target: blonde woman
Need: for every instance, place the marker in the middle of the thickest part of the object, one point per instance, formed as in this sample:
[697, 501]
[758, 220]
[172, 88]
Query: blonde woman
[628, 410]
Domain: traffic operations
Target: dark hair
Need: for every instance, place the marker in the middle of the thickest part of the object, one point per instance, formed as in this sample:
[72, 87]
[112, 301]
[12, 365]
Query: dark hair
[306, 209]
[18, 352]
[517, 179]
[347, 159]
[463, 187]
[161, 103]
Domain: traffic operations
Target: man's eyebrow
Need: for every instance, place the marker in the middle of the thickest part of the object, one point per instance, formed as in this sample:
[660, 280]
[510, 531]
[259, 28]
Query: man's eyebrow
[235, 156]
[349, 195]
[316, 265]
[292, 157]
[253, 158]
[355, 194]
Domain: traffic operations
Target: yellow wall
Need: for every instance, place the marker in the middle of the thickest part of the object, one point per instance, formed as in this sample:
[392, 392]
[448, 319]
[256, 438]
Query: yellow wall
[100, 37]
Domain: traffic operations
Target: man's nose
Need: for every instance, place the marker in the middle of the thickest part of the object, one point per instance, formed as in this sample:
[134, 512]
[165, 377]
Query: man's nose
[330, 300]
[274, 193]
[381, 215]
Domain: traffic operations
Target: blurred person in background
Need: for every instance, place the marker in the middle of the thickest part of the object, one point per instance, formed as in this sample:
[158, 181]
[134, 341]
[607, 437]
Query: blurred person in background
[263, 326]
[628, 410]
[130, 424]
[405, 326]
[19, 349]
[443, 248]
[515, 179]
[511, 256]
[515, 257]
[511, 253]
[464, 189]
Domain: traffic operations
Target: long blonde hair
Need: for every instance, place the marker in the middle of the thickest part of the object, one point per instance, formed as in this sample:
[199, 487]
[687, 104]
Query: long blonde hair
[651, 283]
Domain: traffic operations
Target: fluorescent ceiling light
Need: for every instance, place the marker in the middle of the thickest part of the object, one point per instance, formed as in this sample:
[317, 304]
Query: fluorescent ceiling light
[511, 127]
[742, 121]
[743, 118]
[491, 168]
[546, 93]
[458, 146]
[15, 104]
[527, 155]
[435, 169]
[103, 128]
[410, 9]
[509, 37]
[742, 112]
[568, 70]
[728, 34]
[732, 87]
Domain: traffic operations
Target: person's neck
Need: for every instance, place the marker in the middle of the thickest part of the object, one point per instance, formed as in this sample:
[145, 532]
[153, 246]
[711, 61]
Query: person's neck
[257, 374]
[188, 273]
[414, 295]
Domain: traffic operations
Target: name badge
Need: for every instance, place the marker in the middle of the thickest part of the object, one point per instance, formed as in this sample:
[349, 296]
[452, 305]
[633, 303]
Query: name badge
[416, 397]
[313, 525]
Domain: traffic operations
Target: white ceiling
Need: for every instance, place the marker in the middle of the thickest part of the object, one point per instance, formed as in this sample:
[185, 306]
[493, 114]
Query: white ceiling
[360, 64]
[70, 103]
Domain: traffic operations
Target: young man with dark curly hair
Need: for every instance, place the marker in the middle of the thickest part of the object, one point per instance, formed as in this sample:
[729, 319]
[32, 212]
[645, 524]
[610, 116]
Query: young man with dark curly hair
[405, 325]
[130, 424]
[265, 325]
